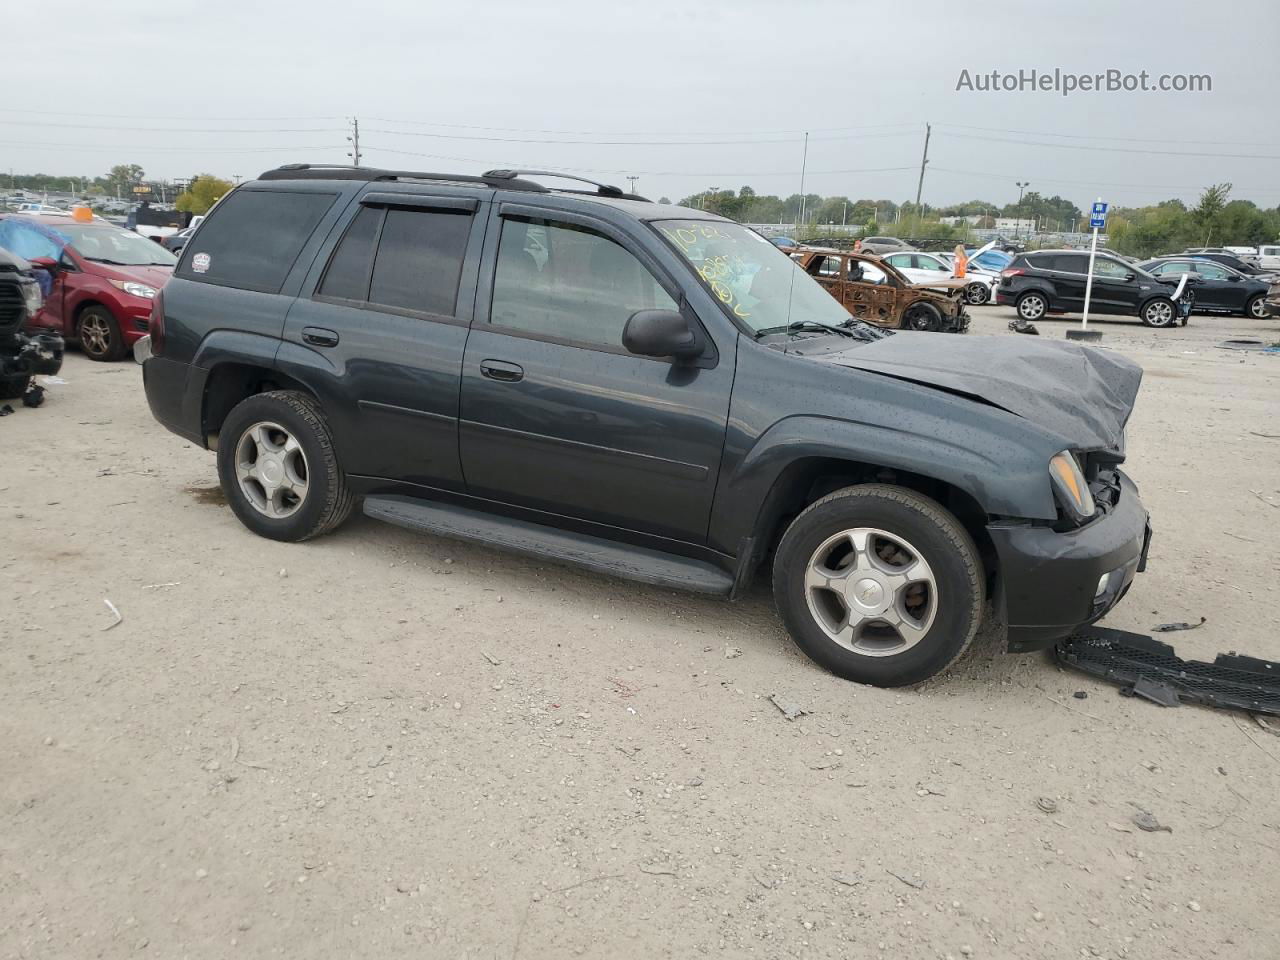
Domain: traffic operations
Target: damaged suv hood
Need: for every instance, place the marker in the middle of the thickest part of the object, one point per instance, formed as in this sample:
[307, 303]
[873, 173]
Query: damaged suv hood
[1081, 393]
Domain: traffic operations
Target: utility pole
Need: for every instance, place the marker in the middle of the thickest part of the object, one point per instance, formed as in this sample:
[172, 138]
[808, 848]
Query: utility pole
[1021, 185]
[924, 161]
[354, 152]
[633, 183]
[804, 165]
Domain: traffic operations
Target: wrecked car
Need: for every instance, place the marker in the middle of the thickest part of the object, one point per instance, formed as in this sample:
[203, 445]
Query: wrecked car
[22, 356]
[874, 290]
[644, 391]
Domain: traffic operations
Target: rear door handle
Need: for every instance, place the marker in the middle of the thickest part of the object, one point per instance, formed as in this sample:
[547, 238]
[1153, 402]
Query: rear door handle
[319, 337]
[501, 370]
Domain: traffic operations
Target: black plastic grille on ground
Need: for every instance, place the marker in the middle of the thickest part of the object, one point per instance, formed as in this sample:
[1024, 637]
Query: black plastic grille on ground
[1232, 681]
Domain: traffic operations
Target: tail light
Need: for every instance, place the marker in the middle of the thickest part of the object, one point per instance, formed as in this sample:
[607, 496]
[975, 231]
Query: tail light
[1012, 272]
[156, 325]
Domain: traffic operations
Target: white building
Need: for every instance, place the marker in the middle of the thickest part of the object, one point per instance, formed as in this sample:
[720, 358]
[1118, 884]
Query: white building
[1014, 225]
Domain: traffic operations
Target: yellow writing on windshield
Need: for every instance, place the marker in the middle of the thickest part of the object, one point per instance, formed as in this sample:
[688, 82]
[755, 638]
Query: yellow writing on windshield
[717, 270]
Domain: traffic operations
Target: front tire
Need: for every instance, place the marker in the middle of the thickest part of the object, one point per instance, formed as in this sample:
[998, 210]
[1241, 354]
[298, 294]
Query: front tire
[1159, 313]
[1031, 306]
[879, 584]
[278, 467]
[976, 294]
[99, 335]
[923, 317]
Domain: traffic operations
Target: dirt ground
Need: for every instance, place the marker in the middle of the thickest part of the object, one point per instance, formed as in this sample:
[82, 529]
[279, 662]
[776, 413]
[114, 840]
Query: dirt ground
[380, 744]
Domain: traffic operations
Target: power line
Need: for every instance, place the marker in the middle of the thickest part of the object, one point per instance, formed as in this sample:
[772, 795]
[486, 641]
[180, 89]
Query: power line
[149, 116]
[648, 133]
[1083, 183]
[628, 143]
[1092, 136]
[127, 148]
[645, 173]
[1081, 146]
[114, 126]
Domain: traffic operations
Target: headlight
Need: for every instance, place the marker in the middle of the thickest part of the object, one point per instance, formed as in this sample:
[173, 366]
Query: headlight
[1070, 486]
[33, 297]
[135, 289]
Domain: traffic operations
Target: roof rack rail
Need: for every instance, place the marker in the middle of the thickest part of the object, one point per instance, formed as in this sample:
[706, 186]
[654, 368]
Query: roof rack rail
[323, 171]
[604, 189]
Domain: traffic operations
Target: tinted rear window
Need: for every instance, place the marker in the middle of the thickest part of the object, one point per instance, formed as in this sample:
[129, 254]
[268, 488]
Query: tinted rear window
[253, 237]
[419, 260]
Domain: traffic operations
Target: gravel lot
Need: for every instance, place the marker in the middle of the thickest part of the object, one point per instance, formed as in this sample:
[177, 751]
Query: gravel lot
[380, 744]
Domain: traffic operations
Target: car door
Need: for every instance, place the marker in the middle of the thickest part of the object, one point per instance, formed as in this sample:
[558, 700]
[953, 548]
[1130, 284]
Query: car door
[930, 268]
[1219, 288]
[1115, 287]
[869, 294]
[556, 415]
[379, 332]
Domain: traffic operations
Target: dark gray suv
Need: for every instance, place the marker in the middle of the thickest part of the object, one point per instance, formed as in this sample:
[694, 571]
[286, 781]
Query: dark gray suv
[646, 391]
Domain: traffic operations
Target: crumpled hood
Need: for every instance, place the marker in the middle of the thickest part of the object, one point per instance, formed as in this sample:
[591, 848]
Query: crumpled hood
[1081, 393]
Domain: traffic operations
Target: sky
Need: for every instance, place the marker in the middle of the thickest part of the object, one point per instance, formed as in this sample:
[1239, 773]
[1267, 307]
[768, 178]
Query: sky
[683, 96]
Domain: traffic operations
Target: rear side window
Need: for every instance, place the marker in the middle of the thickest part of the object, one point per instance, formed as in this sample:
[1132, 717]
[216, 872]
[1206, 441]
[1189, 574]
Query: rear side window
[253, 237]
[404, 259]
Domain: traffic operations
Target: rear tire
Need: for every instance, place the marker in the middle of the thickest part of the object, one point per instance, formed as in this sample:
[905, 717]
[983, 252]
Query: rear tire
[936, 630]
[298, 430]
[1257, 307]
[1031, 306]
[976, 294]
[1159, 313]
[99, 335]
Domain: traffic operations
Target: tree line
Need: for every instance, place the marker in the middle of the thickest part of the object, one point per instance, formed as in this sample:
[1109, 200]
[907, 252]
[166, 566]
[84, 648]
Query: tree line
[1215, 220]
[200, 192]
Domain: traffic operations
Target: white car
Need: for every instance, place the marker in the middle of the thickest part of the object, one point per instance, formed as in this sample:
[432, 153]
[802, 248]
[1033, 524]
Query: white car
[1269, 257]
[938, 267]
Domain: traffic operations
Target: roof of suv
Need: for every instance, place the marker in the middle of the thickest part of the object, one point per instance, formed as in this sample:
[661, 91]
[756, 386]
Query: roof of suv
[631, 204]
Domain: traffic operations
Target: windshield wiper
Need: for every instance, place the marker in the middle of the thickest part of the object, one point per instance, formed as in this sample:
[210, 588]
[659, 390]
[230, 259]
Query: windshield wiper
[797, 326]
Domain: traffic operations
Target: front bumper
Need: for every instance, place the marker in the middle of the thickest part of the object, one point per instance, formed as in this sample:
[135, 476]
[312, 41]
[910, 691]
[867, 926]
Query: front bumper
[135, 320]
[1052, 583]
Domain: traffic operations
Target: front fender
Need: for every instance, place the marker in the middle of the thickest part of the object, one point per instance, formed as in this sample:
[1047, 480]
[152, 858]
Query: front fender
[1003, 479]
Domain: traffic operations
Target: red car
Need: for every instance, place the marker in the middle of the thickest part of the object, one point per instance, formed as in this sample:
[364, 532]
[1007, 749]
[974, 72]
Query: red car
[103, 278]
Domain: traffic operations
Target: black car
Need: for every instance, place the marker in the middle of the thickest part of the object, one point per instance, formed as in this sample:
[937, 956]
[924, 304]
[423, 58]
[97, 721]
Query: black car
[1218, 288]
[1229, 259]
[22, 356]
[646, 391]
[1053, 281]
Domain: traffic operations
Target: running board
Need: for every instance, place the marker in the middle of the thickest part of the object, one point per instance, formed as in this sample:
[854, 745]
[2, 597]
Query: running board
[548, 543]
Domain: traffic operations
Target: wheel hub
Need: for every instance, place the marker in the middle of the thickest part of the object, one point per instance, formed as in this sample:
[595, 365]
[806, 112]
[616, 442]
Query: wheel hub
[868, 595]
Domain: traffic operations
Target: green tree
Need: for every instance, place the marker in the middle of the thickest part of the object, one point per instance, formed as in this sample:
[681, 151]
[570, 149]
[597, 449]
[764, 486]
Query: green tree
[202, 193]
[1208, 212]
[122, 177]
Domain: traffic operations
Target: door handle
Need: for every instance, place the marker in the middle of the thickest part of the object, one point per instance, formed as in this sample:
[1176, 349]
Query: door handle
[319, 337]
[501, 370]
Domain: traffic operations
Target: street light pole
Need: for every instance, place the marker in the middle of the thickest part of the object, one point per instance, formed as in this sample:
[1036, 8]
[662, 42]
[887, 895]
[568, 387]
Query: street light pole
[633, 183]
[1022, 185]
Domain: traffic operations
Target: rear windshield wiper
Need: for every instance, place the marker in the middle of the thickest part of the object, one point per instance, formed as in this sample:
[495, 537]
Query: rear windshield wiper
[796, 326]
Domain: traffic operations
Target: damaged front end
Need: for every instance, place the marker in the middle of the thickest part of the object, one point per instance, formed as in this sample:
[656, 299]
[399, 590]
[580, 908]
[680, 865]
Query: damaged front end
[22, 355]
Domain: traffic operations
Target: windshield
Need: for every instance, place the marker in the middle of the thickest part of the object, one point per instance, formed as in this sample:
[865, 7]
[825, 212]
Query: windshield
[112, 245]
[761, 285]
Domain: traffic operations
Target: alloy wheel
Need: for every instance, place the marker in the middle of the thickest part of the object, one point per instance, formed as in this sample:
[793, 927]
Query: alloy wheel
[1159, 314]
[871, 591]
[1031, 307]
[271, 469]
[95, 334]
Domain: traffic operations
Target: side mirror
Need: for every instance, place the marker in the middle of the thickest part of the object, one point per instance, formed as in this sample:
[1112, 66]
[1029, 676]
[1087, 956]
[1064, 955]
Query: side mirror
[661, 333]
[1233, 277]
[1131, 276]
[44, 263]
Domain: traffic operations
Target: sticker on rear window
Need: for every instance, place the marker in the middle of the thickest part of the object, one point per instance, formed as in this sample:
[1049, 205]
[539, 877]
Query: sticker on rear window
[200, 263]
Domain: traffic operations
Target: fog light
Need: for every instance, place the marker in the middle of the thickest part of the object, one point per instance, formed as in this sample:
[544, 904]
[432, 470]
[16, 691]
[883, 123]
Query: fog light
[1102, 586]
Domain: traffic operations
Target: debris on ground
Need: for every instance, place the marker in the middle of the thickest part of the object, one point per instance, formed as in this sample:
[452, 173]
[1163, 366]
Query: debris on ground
[1145, 667]
[119, 617]
[491, 658]
[1180, 625]
[847, 879]
[906, 878]
[1147, 821]
[731, 653]
[1023, 326]
[34, 396]
[1080, 695]
[1047, 804]
[6, 410]
[789, 710]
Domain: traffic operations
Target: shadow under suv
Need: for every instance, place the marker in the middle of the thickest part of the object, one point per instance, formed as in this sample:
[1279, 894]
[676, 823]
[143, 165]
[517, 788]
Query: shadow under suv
[646, 391]
[1053, 281]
